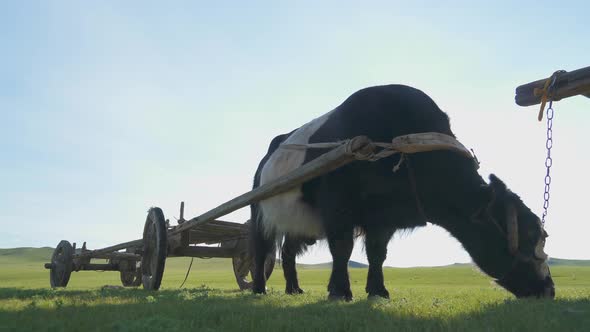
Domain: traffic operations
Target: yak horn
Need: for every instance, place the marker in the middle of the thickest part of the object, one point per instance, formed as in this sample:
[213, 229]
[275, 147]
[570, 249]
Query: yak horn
[540, 247]
[512, 230]
[540, 252]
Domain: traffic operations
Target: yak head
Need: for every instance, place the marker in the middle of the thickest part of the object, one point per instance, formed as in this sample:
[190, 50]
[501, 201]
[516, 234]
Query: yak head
[511, 247]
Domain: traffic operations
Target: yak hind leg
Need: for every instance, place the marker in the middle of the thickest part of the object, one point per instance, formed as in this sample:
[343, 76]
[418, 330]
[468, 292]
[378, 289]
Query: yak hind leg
[292, 247]
[262, 244]
[376, 240]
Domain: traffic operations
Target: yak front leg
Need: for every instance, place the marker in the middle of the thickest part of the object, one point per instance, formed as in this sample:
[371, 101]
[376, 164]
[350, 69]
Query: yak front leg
[341, 243]
[376, 241]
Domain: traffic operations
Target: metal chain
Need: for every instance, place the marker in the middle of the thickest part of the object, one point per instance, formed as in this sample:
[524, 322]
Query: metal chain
[549, 145]
[548, 161]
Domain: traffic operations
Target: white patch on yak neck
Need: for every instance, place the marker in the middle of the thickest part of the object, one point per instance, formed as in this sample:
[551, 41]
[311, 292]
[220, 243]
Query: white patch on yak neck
[286, 213]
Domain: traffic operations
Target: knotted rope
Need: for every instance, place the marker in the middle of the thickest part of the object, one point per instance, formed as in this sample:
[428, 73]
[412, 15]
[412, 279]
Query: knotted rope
[546, 93]
[406, 144]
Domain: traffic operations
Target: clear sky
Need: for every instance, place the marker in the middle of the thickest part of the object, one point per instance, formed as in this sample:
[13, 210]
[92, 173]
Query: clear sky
[110, 107]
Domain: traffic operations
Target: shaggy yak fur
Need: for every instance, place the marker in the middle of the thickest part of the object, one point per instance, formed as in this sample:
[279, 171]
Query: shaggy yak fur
[441, 187]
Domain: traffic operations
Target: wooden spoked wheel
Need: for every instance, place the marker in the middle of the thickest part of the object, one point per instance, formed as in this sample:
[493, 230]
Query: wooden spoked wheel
[155, 246]
[62, 262]
[130, 274]
[243, 265]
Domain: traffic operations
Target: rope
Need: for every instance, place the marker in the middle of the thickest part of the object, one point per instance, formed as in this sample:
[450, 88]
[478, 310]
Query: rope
[386, 151]
[395, 147]
[187, 272]
[330, 145]
[546, 93]
[348, 142]
[414, 187]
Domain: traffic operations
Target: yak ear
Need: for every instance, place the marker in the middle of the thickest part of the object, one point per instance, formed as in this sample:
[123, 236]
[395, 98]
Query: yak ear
[498, 185]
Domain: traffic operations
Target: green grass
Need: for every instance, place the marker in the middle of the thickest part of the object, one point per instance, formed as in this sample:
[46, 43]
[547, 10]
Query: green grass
[456, 298]
[569, 262]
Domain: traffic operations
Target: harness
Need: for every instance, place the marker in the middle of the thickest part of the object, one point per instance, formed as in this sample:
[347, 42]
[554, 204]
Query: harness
[403, 145]
[518, 256]
[414, 188]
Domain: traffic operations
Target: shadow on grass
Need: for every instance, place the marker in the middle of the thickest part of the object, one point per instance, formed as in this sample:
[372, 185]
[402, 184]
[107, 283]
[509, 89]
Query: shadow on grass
[206, 309]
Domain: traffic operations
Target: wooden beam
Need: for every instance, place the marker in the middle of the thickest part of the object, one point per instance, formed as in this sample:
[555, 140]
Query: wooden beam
[206, 236]
[424, 142]
[228, 224]
[97, 267]
[207, 239]
[568, 84]
[219, 229]
[89, 267]
[201, 251]
[114, 255]
[117, 247]
[100, 253]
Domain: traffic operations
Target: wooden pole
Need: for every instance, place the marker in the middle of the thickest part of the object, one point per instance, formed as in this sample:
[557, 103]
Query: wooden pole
[117, 247]
[181, 218]
[202, 251]
[101, 253]
[327, 162]
[97, 267]
[116, 255]
[568, 84]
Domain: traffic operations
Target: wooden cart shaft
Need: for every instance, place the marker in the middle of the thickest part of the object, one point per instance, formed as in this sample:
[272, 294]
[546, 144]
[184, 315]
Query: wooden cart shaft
[327, 162]
[335, 158]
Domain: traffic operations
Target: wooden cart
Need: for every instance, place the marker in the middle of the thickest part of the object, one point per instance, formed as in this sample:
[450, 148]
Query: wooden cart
[142, 261]
[143, 264]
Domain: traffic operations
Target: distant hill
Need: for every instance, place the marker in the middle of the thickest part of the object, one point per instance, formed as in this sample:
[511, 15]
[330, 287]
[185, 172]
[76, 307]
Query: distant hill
[351, 264]
[568, 262]
[36, 257]
[26, 254]
[460, 264]
[328, 265]
[552, 262]
[43, 255]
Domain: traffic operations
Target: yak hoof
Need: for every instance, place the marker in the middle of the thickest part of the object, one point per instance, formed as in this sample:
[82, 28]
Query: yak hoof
[382, 294]
[340, 297]
[377, 298]
[294, 291]
[259, 290]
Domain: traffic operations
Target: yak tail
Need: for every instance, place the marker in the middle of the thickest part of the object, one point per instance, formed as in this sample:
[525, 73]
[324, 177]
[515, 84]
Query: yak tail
[262, 242]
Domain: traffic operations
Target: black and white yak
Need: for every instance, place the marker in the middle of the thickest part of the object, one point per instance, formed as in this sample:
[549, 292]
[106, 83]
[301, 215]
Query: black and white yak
[504, 238]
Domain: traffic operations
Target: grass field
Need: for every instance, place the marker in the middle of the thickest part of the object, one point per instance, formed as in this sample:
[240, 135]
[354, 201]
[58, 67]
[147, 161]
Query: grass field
[456, 298]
